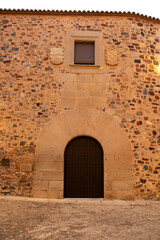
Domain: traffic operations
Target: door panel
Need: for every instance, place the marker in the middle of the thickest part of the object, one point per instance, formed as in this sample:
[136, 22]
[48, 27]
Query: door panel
[83, 169]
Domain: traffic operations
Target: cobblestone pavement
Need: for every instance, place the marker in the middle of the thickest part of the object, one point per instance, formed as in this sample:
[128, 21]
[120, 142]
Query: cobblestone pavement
[34, 219]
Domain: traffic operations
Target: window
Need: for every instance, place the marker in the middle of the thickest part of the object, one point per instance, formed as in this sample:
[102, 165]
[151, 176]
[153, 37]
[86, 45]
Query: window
[84, 53]
[84, 49]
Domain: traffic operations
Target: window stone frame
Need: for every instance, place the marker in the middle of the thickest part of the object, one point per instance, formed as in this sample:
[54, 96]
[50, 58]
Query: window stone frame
[84, 36]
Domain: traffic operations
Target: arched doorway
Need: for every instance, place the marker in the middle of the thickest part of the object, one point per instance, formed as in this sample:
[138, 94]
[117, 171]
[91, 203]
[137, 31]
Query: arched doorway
[83, 169]
[52, 142]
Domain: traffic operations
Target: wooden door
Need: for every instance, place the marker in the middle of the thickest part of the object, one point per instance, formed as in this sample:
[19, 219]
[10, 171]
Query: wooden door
[83, 169]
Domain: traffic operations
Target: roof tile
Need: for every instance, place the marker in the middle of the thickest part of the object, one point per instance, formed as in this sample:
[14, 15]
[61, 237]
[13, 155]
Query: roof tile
[65, 12]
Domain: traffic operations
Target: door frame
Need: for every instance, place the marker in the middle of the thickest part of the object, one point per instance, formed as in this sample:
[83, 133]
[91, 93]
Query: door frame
[103, 126]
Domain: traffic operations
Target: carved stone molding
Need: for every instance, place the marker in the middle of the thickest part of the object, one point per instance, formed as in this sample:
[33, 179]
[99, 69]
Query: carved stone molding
[111, 56]
[57, 55]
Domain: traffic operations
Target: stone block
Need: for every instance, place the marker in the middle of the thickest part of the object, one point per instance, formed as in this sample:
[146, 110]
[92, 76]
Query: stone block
[101, 78]
[84, 69]
[49, 157]
[49, 176]
[75, 93]
[83, 113]
[49, 166]
[57, 55]
[57, 59]
[111, 56]
[67, 102]
[57, 51]
[83, 102]
[122, 185]
[70, 85]
[118, 165]
[68, 77]
[40, 186]
[85, 78]
[27, 159]
[89, 86]
[56, 194]
[120, 175]
[97, 102]
[26, 167]
[40, 194]
[79, 86]
[5, 162]
[96, 93]
[107, 186]
[123, 194]
[58, 185]
[100, 86]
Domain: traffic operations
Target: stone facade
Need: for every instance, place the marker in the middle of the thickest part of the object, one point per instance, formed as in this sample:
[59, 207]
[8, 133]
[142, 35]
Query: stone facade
[46, 101]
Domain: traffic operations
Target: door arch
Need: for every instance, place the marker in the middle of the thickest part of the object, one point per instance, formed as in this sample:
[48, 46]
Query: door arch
[51, 145]
[83, 168]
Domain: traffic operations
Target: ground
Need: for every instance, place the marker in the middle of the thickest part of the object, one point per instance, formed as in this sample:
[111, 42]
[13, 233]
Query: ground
[78, 219]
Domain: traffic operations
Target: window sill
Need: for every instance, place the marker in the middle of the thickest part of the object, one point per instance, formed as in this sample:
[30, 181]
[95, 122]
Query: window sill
[79, 68]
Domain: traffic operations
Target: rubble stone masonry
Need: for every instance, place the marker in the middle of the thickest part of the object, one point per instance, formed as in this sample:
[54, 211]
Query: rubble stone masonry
[37, 83]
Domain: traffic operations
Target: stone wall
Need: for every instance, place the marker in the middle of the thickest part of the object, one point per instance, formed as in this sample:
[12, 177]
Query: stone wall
[36, 87]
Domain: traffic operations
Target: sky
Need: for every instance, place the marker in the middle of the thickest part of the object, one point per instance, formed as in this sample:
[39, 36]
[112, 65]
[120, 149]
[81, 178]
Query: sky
[145, 7]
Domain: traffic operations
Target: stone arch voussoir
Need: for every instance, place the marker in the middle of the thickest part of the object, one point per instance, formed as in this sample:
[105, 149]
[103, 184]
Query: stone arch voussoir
[106, 130]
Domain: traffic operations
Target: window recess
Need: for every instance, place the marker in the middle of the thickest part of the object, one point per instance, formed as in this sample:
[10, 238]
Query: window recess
[84, 52]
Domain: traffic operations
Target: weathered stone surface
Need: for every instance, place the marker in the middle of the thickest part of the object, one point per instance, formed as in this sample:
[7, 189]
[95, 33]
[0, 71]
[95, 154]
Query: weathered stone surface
[5, 162]
[33, 92]
[49, 176]
[122, 185]
[120, 194]
[85, 78]
[57, 55]
[115, 219]
[111, 56]
[56, 194]
[49, 166]
[41, 186]
[26, 167]
[56, 185]
[115, 145]
[40, 194]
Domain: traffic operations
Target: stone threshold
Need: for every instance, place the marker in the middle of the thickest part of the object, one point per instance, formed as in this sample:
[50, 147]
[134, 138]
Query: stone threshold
[135, 202]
